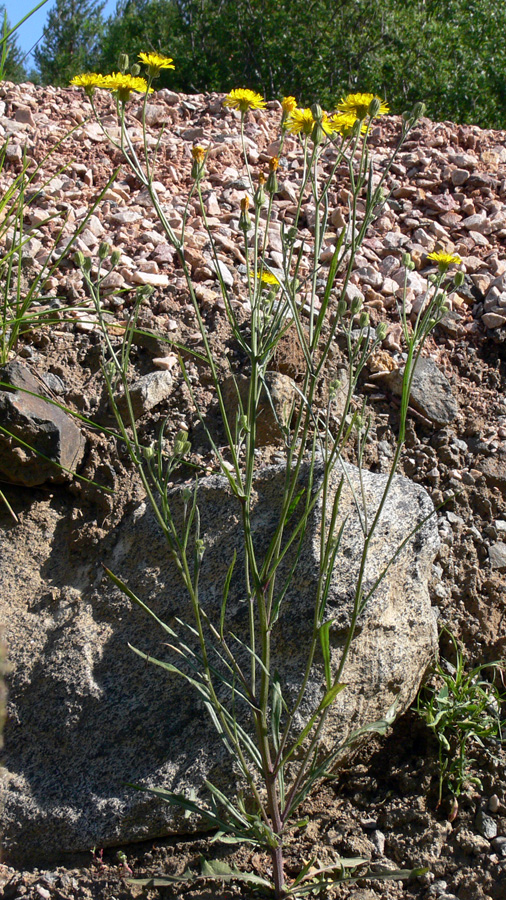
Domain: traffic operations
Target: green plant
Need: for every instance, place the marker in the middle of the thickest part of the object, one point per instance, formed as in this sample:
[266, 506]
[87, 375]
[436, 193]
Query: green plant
[463, 709]
[280, 761]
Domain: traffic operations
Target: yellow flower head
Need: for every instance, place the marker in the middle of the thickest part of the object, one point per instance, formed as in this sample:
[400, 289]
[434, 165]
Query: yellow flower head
[358, 105]
[266, 278]
[343, 123]
[244, 204]
[123, 85]
[261, 179]
[155, 63]
[444, 260]
[244, 99]
[302, 121]
[89, 81]
[288, 104]
[274, 164]
[199, 153]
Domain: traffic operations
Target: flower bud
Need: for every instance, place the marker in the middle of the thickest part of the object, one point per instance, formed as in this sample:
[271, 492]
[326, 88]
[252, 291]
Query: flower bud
[123, 63]
[356, 306]
[104, 250]
[272, 179]
[144, 292]
[244, 218]
[381, 332]
[87, 264]
[341, 309]
[182, 445]
[115, 257]
[374, 107]
[259, 197]
[458, 279]
[198, 167]
[135, 70]
[317, 113]
[363, 322]
[418, 111]
[79, 259]
[407, 262]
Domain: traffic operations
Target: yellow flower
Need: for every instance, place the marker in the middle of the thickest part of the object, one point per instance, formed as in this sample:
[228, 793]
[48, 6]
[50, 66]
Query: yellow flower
[244, 99]
[123, 85]
[273, 163]
[269, 278]
[266, 278]
[155, 63]
[199, 153]
[343, 123]
[358, 105]
[288, 104]
[302, 121]
[89, 81]
[444, 260]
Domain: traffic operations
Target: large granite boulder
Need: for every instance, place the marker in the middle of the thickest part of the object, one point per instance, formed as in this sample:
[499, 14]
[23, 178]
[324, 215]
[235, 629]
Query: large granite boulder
[87, 715]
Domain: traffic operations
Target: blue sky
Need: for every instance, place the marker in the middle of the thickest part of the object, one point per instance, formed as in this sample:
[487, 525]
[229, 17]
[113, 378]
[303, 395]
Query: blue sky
[31, 30]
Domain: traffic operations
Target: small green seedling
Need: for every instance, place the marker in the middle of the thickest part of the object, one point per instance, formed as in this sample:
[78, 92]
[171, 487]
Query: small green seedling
[464, 709]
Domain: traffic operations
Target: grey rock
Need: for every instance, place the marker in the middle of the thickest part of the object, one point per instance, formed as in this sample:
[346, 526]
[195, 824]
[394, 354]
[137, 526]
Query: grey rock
[146, 393]
[497, 556]
[431, 393]
[87, 716]
[273, 410]
[32, 422]
[499, 845]
[219, 268]
[485, 824]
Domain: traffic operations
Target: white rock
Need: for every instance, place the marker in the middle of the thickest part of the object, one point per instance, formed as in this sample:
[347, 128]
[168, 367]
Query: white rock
[493, 320]
[152, 278]
[222, 269]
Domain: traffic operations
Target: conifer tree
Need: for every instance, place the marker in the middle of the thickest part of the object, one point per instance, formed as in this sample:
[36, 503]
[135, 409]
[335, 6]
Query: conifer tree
[70, 40]
[13, 69]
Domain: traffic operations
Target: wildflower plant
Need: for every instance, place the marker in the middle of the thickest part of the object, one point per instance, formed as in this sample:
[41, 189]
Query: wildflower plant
[463, 709]
[279, 760]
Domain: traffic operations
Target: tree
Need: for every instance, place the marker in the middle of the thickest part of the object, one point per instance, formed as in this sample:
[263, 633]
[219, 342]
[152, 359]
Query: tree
[71, 40]
[13, 69]
[446, 54]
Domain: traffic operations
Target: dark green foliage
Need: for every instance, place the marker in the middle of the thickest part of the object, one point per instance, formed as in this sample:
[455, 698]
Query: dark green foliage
[13, 68]
[448, 54]
[71, 40]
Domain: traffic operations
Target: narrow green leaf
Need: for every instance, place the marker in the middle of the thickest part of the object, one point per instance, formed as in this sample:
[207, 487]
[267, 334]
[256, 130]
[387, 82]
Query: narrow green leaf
[324, 633]
[216, 868]
[226, 589]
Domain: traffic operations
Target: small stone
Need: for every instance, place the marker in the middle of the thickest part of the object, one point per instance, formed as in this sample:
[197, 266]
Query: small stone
[485, 824]
[494, 802]
[224, 271]
[147, 392]
[431, 393]
[499, 845]
[165, 362]
[497, 556]
[459, 176]
[155, 279]
[493, 320]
